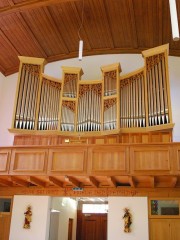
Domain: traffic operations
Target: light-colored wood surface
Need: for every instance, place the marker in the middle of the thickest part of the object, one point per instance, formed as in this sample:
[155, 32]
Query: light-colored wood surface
[160, 229]
[5, 220]
[152, 166]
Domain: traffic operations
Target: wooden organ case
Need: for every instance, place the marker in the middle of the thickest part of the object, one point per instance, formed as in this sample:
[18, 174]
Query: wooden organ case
[136, 102]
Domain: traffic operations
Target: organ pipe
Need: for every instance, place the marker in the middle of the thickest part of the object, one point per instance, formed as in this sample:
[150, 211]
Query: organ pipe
[136, 100]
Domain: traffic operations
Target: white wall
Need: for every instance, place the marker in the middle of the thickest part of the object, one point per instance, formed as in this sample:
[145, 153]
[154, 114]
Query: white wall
[91, 67]
[139, 209]
[40, 218]
[6, 108]
[68, 209]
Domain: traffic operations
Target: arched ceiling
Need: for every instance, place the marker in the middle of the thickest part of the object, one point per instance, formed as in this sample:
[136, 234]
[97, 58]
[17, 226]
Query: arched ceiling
[49, 28]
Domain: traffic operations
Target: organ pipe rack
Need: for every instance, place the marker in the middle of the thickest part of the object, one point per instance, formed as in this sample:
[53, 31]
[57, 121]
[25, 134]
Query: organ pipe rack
[138, 101]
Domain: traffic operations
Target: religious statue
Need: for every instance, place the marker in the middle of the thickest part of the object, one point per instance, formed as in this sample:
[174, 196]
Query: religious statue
[127, 220]
[28, 218]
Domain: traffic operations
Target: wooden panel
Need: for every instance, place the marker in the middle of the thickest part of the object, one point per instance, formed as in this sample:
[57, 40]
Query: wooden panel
[5, 220]
[32, 161]
[176, 160]
[109, 159]
[68, 160]
[150, 159]
[159, 229]
[4, 161]
[175, 229]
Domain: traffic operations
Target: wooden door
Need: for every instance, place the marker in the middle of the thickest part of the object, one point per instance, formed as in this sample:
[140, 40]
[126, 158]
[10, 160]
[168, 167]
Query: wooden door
[70, 229]
[5, 219]
[103, 232]
[90, 228]
[160, 229]
[94, 227]
[175, 229]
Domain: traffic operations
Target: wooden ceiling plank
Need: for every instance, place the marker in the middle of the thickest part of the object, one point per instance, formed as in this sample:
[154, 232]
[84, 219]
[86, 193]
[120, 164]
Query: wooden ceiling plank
[11, 2]
[132, 182]
[93, 181]
[56, 182]
[133, 24]
[22, 20]
[107, 24]
[20, 182]
[9, 42]
[37, 182]
[26, 5]
[73, 181]
[53, 24]
[112, 181]
[6, 182]
[160, 23]
[85, 36]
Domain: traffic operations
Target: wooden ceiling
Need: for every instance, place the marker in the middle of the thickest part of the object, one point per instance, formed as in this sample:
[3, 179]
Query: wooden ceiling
[49, 28]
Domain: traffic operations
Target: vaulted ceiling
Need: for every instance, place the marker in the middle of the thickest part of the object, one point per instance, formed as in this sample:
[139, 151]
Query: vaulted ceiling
[49, 28]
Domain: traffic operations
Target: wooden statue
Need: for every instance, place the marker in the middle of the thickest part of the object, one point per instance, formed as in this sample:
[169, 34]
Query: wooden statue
[127, 220]
[28, 218]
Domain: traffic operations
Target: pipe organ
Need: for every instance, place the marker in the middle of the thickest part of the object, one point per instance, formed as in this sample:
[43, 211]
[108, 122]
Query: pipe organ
[137, 101]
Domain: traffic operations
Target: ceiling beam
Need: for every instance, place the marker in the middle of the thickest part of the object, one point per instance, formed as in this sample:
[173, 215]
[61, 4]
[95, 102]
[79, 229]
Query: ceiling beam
[174, 182]
[94, 182]
[26, 5]
[37, 181]
[56, 182]
[20, 182]
[73, 181]
[152, 181]
[5, 182]
[132, 182]
[111, 181]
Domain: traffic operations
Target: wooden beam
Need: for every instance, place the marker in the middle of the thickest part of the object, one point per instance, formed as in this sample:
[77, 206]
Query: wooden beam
[73, 181]
[5, 182]
[174, 181]
[56, 182]
[94, 182]
[20, 182]
[152, 180]
[132, 182]
[30, 4]
[111, 181]
[37, 181]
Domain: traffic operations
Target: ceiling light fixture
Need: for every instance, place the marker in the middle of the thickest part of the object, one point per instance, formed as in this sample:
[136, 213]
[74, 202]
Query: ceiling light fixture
[174, 20]
[80, 39]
